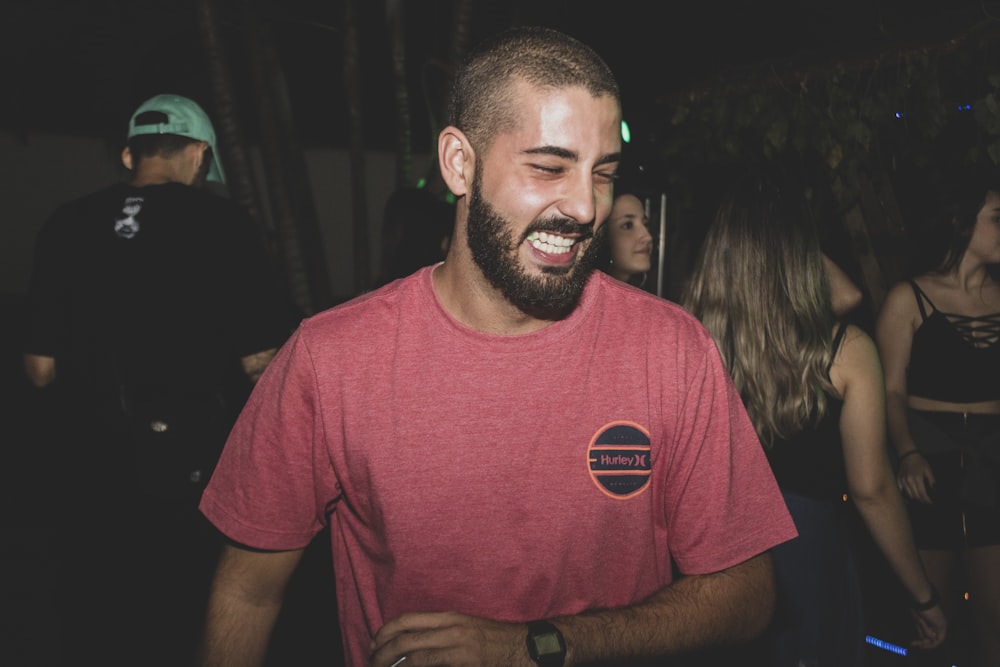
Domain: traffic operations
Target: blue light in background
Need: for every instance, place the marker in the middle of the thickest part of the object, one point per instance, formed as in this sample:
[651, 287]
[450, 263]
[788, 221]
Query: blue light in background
[960, 107]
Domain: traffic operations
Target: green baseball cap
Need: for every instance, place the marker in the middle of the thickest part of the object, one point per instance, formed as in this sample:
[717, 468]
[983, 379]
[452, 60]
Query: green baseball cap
[185, 119]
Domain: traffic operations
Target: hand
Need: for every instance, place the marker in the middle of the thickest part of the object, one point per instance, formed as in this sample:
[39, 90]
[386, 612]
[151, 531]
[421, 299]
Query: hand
[449, 639]
[932, 628]
[915, 478]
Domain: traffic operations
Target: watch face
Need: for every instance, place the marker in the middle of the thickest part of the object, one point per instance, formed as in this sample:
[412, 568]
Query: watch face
[547, 643]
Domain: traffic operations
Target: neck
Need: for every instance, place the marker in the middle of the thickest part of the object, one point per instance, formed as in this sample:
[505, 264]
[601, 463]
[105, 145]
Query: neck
[142, 181]
[468, 297]
[971, 274]
[156, 170]
[623, 276]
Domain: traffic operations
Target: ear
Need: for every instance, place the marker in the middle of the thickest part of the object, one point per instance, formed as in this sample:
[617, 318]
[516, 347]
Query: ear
[127, 158]
[456, 159]
[197, 152]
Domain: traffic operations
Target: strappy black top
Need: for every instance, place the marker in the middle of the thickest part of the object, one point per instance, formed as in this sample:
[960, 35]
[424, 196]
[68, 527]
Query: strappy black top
[953, 357]
[811, 462]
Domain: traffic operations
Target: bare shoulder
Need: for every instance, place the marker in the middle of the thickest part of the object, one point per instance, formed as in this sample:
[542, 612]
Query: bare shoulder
[901, 295]
[900, 305]
[855, 344]
[856, 359]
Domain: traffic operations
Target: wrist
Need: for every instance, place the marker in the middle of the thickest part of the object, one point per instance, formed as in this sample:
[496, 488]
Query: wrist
[910, 452]
[546, 645]
[931, 602]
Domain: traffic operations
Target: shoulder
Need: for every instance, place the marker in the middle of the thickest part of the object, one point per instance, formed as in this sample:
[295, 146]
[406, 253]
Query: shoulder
[175, 195]
[629, 296]
[856, 358]
[71, 218]
[210, 214]
[903, 291]
[661, 331]
[202, 197]
[855, 342]
[110, 195]
[374, 312]
[901, 302]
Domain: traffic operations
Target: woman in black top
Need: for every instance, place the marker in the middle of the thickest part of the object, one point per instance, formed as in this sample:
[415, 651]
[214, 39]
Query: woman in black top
[939, 338]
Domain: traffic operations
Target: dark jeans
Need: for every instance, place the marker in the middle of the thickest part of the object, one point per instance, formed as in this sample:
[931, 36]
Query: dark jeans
[819, 616]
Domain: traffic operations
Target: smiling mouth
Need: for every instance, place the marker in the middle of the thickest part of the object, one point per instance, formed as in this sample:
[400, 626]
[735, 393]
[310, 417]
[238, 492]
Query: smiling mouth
[550, 244]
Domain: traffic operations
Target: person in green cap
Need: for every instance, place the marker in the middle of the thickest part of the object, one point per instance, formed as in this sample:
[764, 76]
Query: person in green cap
[172, 139]
[151, 310]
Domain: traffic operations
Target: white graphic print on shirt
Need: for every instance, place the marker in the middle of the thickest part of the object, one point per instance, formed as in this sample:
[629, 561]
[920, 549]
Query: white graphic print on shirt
[127, 226]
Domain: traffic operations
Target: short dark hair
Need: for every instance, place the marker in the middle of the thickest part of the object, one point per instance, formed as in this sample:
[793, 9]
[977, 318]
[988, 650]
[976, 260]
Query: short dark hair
[481, 103]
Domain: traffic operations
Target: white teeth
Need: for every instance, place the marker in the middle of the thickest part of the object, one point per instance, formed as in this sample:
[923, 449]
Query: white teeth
[551, 244]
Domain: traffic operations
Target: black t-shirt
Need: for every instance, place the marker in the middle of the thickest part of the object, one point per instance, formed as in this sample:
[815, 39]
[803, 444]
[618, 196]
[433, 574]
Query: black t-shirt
[164, 284]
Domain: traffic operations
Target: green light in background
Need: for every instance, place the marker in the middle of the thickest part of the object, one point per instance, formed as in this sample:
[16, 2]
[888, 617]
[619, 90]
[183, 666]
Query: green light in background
[421, 183]
[626, 133]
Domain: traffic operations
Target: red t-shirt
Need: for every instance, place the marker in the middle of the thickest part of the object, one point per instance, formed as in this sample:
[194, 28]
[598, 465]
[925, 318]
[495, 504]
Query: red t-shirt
[509, 477]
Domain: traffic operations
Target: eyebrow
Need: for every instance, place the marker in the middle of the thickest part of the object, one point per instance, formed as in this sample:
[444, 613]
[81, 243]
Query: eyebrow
[567, 154]
[630, 216]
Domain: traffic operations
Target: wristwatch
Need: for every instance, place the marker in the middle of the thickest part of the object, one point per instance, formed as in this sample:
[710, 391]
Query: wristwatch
[546, 645]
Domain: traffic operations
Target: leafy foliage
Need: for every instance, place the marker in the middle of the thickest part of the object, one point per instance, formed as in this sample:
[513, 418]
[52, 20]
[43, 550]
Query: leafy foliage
[842, 121]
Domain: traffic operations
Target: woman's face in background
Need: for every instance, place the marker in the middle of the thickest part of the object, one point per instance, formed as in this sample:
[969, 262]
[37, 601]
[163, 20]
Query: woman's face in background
[629, 238]
[985, 242]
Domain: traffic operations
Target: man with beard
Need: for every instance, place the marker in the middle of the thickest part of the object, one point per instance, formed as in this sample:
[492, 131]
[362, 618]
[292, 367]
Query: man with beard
[512, 451]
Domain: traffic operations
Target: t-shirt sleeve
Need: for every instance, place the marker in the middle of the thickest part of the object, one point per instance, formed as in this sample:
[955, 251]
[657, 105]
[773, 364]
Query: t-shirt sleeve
[724, 505]
[47, 302]
[274, 485]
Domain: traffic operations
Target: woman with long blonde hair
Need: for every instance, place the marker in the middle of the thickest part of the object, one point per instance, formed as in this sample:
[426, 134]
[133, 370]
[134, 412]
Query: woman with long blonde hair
[813, 388]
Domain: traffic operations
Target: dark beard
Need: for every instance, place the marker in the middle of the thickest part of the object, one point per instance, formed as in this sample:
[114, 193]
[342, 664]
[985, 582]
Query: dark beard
[549, 297]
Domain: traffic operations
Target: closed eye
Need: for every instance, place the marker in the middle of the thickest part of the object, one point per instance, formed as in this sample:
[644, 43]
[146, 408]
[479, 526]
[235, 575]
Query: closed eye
[606, 176]
[547, 169]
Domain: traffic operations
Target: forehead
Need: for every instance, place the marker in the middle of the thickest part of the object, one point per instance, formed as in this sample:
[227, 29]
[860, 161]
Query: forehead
[627, 204]
[570, 118]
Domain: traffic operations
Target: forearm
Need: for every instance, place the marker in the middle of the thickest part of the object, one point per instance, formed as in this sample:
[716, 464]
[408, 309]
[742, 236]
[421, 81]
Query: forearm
[898, 424]
[237, 634]
[885, 516]
[243, 606]
[689, 614]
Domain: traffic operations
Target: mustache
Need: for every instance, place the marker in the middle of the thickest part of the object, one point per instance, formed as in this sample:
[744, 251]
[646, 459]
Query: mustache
[564, 226]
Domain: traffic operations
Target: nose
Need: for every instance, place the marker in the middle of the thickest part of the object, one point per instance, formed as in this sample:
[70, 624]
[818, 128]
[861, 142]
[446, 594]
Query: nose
[579, 199]
[644, 234]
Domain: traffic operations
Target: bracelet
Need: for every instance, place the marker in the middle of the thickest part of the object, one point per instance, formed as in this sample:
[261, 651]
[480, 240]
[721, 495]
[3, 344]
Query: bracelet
[903, 456]
[930, 604]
